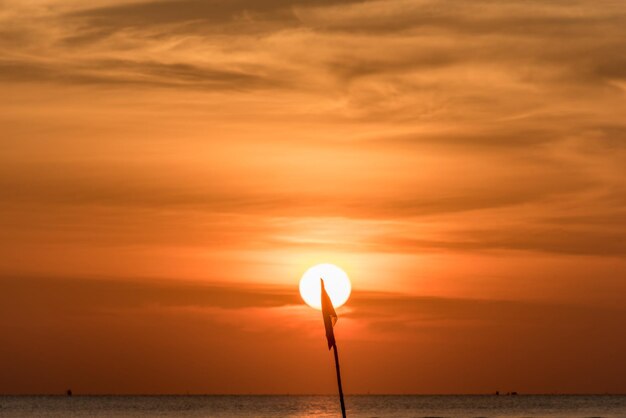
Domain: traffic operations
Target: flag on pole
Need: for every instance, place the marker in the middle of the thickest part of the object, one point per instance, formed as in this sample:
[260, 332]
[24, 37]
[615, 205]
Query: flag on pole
[330, 316]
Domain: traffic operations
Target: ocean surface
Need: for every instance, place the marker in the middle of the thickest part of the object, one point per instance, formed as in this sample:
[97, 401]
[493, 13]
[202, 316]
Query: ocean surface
[322, 406]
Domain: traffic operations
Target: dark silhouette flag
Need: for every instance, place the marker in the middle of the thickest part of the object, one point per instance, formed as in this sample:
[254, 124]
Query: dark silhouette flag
[330, 316]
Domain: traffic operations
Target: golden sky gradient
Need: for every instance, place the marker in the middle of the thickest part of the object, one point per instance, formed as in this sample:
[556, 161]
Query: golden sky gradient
[169, 169]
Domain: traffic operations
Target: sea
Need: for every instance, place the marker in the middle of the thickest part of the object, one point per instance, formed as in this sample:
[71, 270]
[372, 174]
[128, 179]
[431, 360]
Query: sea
[570, 406]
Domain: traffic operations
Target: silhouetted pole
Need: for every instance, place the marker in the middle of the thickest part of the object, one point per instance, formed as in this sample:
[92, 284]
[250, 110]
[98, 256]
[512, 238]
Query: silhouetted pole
[330, 317]
[343, 406]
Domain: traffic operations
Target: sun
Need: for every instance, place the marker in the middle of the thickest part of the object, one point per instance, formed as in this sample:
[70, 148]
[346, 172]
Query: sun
[336, 282]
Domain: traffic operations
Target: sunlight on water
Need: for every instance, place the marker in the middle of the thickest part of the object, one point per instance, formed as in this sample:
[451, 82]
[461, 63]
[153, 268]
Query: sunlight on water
[320, 406]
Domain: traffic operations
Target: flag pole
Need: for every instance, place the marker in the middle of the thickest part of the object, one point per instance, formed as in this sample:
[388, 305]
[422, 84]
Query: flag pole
[330, 317]
[343, 406]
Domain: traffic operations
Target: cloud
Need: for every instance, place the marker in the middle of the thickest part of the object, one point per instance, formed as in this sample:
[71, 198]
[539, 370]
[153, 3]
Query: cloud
[551, 239]
[380, 118]
[161, 12]
[510, 17]
[422, 310]
[96, 295]
[399, 61]
[85, 296]
[128, 74]
[93, 204]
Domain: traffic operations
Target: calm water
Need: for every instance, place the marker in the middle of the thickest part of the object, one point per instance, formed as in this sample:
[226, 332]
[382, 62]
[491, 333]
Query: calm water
[304, 406]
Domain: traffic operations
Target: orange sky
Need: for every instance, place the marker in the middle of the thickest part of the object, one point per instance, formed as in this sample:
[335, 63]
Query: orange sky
[169, 169]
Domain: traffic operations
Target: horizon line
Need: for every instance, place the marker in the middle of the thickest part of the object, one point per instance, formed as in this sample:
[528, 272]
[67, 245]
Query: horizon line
[504, 394]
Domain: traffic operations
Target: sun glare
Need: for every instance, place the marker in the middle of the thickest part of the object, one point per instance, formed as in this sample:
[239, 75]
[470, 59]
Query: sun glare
[336, 282]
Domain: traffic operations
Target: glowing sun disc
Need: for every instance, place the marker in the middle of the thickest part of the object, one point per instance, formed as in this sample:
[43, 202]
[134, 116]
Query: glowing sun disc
[336, 282]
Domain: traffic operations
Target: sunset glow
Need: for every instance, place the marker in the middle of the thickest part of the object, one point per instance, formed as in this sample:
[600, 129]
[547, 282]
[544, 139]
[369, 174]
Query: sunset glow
[336, 282]
[169, 169]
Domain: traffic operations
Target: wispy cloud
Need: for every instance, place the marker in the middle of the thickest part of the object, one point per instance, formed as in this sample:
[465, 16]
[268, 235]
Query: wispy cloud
[126, 74]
